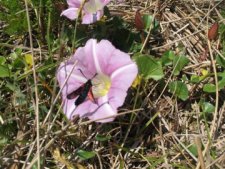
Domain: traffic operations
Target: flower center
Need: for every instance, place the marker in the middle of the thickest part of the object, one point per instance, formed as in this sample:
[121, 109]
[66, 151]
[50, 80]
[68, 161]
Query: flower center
[100, 85]
[93, 6]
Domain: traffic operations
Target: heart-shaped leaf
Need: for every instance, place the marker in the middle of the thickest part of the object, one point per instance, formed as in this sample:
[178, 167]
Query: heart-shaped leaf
[179, 89]
[149, 67]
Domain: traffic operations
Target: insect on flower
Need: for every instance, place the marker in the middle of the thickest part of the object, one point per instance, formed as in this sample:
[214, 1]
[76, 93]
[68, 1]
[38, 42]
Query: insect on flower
[82, 92]
[108, 72]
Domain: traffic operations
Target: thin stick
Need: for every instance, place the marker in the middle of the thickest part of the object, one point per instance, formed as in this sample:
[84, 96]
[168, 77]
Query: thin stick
[57, 96]
[150, 28]
[36, 107]
[200, 156]
[213, 126]
[19, 46]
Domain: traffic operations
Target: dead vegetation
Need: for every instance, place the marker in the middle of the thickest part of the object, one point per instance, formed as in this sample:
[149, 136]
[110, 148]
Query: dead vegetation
[154, 129]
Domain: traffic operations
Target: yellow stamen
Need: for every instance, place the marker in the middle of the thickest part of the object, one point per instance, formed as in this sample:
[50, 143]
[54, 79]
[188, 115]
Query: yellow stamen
[100, 85]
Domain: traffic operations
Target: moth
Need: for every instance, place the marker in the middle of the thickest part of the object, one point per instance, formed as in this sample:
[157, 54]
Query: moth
[83, 92]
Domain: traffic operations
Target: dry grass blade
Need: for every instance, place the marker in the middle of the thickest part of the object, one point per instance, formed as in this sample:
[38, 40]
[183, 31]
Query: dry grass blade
[155, 128]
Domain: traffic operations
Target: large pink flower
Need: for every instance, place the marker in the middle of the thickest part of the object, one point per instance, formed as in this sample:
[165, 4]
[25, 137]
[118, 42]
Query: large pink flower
[111, 72]
[92, 10]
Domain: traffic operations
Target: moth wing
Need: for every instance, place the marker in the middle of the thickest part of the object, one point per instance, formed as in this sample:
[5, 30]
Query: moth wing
[75, 93]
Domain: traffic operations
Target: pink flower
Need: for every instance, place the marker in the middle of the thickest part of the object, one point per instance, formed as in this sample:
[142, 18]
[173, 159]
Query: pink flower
[92, 10]
[111, 72]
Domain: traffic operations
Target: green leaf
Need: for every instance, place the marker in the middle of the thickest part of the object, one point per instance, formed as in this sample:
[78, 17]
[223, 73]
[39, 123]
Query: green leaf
[149, 67]
[167, 58]
[178, 64]
[184, 78]
[207, 107]
[102, 137]
[221, 78]
[4, 71]
[193, 150]
[84, 155]
[209, 88]
[11, 86]
[148, 20]
[179, 89]
[2, 60]
[197, 79]
[18, 63]
[3, 140]
[220, 60]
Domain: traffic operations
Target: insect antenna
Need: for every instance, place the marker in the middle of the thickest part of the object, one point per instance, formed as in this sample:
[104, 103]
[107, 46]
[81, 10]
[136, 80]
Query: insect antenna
[82, 73]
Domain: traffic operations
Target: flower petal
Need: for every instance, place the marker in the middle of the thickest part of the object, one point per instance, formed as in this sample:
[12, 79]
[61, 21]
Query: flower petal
[71, 13]
[118, 59]
[104, 51]
[88, 57]
[104, 112]
[75, 80]
[105, 2]
[90, 7]
[95, 111]
[123, 77]
[84, 108]
[112, 58]
[89, 18]
[69, 108]
[75, 3]
[75, 77]
[99, 58]
[116, 97]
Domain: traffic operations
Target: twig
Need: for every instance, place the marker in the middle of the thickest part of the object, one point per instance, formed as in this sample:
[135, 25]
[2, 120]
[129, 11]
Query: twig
[150, 28]
[19, 46]
[213, 126]
[57, 96]
[200, 157]
[36, 104]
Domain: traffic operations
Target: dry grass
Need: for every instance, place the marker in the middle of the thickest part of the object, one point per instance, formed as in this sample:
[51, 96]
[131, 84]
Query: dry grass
[154, 129]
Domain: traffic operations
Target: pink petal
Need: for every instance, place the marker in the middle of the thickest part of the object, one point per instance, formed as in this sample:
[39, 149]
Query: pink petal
[90, 110]
[75, 80]
[94, 58]
[117, 60]
[79, 56]
[85, 56]
[116, 97]
[64, 71]
[105, 2]
[104, 51]
[71, 13]
[123, 77]
[93, 6]
[108, 60]
[104, 112]
[69, 108]
[89, 18]
[112, 58]
[86, 107]
[74, 3]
